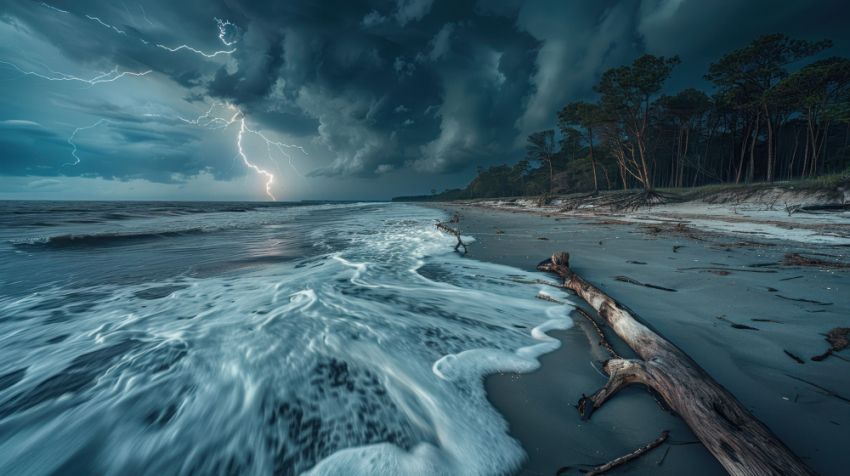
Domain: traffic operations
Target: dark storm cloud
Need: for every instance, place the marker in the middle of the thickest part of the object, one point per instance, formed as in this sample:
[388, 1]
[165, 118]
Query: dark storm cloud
[378, 85]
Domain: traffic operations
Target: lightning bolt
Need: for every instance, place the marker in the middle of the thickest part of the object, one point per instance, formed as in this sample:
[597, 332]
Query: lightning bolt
[132, 20]
[186, 47]
[115, 28]
[57, 76]
[249, 164]
[280, 146]
[222, 30]
[144, 15]
[107, 25]
[71, 141]
[212, 121]
[52, 7]
[206, 120]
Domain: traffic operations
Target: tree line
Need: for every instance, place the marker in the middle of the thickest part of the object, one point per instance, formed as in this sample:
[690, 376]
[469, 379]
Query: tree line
[762, 123]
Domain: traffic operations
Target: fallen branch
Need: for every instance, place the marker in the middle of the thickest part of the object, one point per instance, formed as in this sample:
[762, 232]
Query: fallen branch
[618, 202]
[627, 279]
[770, 271]
[825, 391]
[679, 228]
[574, 203]
[805, 300]
[628, 457]
[607, 222]
[793, 259]
[547, 298]
[799, 360]
[741, 244]
[791, 209]
[522, 281]
[602, 340]
[659, 463]
[837, 338]
[450, 230]
[832, 207]
[646, 198]
[739, 441]
[735, 324]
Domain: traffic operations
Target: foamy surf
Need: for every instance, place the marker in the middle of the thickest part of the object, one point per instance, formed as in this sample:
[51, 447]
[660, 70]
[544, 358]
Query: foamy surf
[484, 446]
[366, 356]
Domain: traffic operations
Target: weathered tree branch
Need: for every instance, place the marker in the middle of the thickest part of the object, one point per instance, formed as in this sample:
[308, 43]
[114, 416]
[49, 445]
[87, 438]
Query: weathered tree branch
[625, 459]
[603, 340]
[793, 259]
[622, 374]
[450, 230]
[837, 338]
[740, 442]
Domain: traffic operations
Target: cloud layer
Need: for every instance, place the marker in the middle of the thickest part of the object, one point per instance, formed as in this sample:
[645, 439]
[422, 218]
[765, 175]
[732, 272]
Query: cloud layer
[381, 90]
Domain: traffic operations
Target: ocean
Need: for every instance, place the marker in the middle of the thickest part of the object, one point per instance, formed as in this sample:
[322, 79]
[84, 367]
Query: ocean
[204, 338]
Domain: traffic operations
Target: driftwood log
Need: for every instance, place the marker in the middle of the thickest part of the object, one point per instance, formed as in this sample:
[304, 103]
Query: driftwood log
[742, 444]
[442, 226]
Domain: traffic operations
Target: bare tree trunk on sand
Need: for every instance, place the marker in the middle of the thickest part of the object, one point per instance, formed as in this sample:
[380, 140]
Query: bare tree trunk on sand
[739, 441]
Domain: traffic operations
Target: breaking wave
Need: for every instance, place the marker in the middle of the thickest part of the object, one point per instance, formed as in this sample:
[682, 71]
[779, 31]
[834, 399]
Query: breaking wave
[365, 356]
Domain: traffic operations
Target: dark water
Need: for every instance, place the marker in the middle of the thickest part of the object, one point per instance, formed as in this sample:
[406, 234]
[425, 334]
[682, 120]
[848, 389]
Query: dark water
[244, 338]
[82, 243]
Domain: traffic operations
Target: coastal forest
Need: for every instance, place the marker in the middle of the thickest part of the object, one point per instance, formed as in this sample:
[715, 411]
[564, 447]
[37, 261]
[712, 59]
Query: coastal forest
[760, 124]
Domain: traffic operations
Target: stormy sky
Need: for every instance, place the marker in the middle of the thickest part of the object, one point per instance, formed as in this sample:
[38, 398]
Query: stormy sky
[343, 99]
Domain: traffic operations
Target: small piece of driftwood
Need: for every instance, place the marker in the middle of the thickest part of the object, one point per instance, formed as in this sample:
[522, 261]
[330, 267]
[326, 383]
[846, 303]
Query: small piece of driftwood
[837, 338]
[452, 231]
[625, 459]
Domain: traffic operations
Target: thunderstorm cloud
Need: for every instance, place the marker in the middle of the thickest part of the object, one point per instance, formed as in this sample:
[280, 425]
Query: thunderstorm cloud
[355, 98]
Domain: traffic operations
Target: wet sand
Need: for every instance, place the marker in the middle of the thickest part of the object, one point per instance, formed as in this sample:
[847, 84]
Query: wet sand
[540, 406]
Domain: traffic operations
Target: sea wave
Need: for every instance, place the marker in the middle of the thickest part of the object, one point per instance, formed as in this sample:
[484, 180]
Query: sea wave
[102, 239]
[22, 214]
[367, 358]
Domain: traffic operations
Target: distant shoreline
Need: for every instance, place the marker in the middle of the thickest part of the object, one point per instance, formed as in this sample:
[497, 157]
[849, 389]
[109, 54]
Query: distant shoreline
[814, 214]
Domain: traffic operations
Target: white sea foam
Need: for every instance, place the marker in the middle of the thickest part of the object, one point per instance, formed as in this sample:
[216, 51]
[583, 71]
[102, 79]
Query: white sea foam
[365, 358]
[472, 440]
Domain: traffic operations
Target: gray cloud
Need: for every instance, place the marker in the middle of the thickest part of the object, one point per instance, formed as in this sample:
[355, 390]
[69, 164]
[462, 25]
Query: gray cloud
[368, 88]
[45, 184]
[405, 12]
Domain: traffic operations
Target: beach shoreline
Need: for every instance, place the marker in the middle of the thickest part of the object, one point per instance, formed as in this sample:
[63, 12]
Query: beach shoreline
[721, 274]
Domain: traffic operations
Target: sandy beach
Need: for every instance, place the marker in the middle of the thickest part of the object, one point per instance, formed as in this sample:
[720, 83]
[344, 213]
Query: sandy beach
[716, 276]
